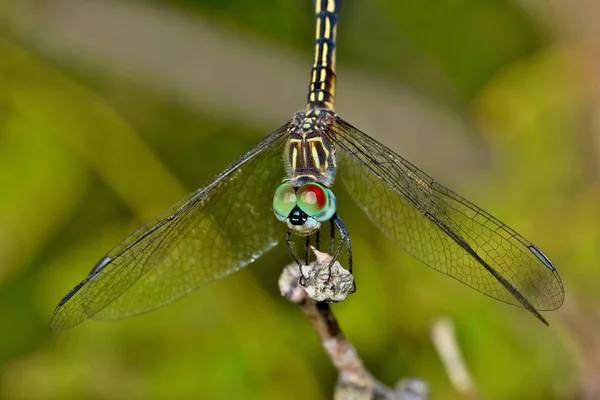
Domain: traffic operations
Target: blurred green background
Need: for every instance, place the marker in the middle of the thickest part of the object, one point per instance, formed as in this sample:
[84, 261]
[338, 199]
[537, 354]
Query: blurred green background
[110, 111]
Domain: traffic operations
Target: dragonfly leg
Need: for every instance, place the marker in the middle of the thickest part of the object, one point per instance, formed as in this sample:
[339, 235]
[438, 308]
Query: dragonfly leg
[332, 237]
[288, 234]
[307, 250]
[337, 222]
[317, 240]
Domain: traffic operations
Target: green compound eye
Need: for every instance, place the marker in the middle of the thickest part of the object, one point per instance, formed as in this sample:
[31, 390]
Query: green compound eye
[284, 201]
[317, 201]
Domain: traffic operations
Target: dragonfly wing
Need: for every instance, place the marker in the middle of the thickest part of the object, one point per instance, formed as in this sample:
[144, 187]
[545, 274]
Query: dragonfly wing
[442, 229]
[214, 232]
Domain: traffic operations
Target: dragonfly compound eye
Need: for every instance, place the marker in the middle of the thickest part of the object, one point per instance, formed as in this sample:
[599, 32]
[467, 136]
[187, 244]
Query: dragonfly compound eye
[317, 201]
[284, 201]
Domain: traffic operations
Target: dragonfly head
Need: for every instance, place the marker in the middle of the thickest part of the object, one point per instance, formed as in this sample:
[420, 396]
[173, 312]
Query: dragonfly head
[301, 223]
[303, 208]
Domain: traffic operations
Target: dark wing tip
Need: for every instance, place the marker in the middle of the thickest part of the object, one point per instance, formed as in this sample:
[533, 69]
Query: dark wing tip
[58, 322]
[99, 266]
[559, 294]
[542, 257]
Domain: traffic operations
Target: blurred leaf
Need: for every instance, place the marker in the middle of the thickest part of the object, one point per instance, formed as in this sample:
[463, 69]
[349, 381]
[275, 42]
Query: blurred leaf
[40, 180]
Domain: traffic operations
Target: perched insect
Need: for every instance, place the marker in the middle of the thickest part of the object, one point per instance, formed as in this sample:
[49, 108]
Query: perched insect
[229, 223]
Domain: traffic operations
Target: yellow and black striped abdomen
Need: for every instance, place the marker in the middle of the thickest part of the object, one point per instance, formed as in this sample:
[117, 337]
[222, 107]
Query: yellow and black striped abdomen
[322, 84]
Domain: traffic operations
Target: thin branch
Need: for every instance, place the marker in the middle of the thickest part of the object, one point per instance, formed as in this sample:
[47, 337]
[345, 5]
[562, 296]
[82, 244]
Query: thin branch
[328, 284]
[444, 340]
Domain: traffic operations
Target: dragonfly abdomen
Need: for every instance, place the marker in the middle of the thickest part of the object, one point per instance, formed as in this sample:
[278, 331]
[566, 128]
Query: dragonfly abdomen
[322, 83]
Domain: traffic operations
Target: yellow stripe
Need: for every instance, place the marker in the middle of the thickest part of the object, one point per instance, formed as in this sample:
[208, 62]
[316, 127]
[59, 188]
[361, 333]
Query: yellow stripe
[330, 6]
[318, 4]
[294, 155]
[332, 58]
[324, 54]
[304, 157]
[327, 33]
[317, 33]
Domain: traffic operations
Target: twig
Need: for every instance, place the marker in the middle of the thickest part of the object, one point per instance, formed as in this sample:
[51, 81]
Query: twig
[444, 340]
[328, 284]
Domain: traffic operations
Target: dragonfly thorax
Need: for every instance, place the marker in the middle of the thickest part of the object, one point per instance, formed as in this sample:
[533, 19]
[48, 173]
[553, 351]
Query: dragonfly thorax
[310, 155]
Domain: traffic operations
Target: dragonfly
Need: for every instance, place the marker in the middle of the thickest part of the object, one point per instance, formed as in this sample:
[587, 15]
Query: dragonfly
[282, 188]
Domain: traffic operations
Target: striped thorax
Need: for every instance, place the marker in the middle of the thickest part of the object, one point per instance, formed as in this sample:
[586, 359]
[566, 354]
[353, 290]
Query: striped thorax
[309, 155]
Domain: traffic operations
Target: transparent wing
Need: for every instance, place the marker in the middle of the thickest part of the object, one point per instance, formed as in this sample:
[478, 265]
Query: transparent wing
[442, 229]
[216, 231]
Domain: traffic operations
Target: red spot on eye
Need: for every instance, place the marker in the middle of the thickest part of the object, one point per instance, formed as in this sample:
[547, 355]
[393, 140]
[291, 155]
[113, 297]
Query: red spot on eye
[319, 194]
